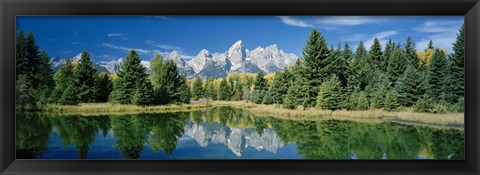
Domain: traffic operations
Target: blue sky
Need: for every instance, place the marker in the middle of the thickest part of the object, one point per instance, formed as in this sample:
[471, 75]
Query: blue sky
[110, 37]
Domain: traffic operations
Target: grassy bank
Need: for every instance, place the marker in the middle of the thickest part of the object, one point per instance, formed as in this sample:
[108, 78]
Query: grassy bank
[263, 110]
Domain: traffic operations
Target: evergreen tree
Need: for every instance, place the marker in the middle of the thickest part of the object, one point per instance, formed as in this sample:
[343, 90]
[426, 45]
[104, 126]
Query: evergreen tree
[103, 88]
[362, 103]
[430, 45]
[391, 102]
[131, 73]
[63, 78]
[85, 74]
[437, 76]
[143, 95]
[352, 99]
[69, 96]
[280, 85]
[259, 88]
[293, 97]
[424, 104]
[375, 54]
[330, 95]
[411, 53]
[396, 65]
[197, 89]
[346, 52]
[31, 59]
[408, 87]
[21, 55]
[224, 91]
[44, 77]
[315, 66]
[360, 69]
[211, 92]
[24, 94]
[378, 89]
[267, 98]
[389, 47]
[457, 66]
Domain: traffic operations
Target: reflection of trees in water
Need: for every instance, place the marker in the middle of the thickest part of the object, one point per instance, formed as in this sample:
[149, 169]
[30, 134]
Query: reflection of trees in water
[130, 134]
[342, 140]
[32, 133]
[167, 129]
[314, 140]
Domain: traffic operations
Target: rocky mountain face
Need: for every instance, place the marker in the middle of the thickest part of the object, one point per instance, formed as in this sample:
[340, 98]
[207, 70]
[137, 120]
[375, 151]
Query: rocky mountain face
[57, 63]
[235, 59]
[236, 139]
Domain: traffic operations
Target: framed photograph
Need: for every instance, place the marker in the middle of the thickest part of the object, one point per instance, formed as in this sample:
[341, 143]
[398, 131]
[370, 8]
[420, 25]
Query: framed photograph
[267, 87]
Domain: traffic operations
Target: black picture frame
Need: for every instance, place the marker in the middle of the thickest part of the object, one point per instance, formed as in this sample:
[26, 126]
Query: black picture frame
[11, 8]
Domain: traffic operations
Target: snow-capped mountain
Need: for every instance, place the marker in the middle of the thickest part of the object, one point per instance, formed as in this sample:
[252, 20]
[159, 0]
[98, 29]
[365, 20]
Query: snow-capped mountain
[237, 58]
[112, 66]
[57, 63]
[183, 67]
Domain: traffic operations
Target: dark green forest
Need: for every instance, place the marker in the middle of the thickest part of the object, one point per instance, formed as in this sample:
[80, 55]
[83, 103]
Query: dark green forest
[325, 77]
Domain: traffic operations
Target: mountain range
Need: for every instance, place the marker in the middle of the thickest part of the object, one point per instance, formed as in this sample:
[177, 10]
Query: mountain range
[236, 59]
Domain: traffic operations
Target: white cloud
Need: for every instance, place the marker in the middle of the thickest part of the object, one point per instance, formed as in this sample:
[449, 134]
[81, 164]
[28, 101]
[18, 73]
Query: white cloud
[120, 35]
[442, 34]
[355, 37]
[437, 27]
[163, 46]
[75, 43]
[443, 41]
[294, 22]
[381, 36]
[348, 20]
[126, 49]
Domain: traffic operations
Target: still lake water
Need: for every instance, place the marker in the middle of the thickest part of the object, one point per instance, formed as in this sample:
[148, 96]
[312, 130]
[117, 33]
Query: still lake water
[226, 133]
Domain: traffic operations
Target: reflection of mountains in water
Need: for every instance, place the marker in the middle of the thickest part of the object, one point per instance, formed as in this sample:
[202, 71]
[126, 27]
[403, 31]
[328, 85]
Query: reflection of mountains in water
[237, 139]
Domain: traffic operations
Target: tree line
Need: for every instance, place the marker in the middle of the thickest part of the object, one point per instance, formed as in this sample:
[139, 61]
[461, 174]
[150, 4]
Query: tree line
[325, 77]
[331, 78]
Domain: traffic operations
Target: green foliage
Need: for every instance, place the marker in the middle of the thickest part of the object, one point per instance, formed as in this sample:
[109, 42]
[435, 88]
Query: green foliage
[21, 55]
[362, 103]
[25, 94]
[331, 94]
[69, 96]
[408, 87]
[143, 95]
[132, 72]
[84, 77]
[424, 104]
[63, 79]
[315, 66]
[375, 54]
[169, 86]
[352, 98]
[411, 53]
[457, 66]
[32, 51]
[360, 69]
[391, 102]
[437, 82]
[197, 89]
[210, 89]
[259, 88]
[103, 87]
[224, 91]
[378, 89]
[280, 85]
[396, 65]
[459, 106]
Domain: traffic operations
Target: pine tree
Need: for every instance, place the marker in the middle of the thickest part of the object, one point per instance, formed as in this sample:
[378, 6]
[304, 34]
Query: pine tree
[424, 104]
[391, 102]
[224, 91]
[378, 89]
[63, 78]
[69, 96]
[31, 59]
[211, 92]
[103, 88]
[430, 45]
[131, 73]
[352, 99]
[44, 77]
[259, 89]
[362, 103]
[375, 54]
[437, 76]
[315, 66]
[408, 87]
[293, 97]
[346, 52]
[143, 95]
[24, 94]
[331, 94]
[411, 53]
[280, 85]
[21, 55]
[360, 69]
[457, 66]
[197, 89]
[85, 74]
[396, 65]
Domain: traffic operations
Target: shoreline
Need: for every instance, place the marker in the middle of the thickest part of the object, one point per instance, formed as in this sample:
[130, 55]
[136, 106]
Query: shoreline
[261, 110]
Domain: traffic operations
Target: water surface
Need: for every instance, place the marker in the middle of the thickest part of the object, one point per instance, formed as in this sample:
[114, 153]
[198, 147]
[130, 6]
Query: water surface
[226, 133]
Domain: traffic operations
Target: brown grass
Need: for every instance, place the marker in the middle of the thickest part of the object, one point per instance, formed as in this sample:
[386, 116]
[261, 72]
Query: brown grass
[262, 110]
